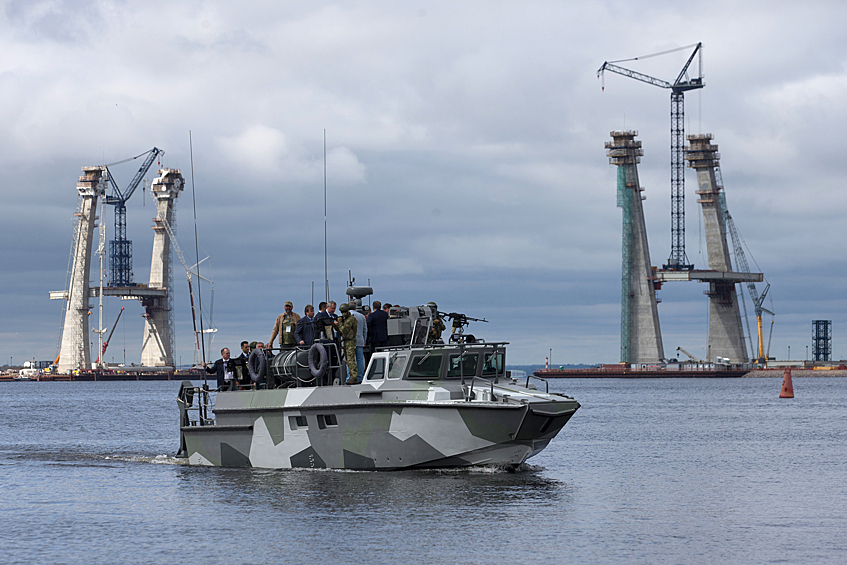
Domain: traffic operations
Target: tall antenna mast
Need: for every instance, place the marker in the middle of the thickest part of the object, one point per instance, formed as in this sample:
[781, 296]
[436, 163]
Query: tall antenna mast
[197, 255]
[326, 272]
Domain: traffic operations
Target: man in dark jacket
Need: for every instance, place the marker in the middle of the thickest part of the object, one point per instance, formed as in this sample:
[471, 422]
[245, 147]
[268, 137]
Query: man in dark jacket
[304, 333]
[223, 368]
[245, 351]
[325, 326]
[378, 326]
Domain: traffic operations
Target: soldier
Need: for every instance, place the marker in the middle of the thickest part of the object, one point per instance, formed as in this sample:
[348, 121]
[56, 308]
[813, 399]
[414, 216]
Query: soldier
[437, 325]
[285, 325]
[348, 330]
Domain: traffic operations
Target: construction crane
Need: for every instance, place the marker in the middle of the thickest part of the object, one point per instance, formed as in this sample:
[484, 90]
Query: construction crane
[106, 343]
[755, 298]
[689, 355]
[742, 266]
[678, 260]
[120, 248]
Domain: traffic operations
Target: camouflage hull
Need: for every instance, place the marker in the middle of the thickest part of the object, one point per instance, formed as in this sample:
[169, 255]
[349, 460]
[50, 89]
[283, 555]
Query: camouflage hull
[377, 428]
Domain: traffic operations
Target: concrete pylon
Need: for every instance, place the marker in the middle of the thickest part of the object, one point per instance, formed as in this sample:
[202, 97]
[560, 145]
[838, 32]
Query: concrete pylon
[726, 336]
[641, 335]
[74, 352]
[157, 345]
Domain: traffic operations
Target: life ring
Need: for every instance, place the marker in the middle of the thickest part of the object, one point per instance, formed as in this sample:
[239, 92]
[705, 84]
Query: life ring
[318, 360]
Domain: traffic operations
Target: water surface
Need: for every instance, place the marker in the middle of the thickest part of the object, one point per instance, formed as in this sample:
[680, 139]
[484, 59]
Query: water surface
[647, 471]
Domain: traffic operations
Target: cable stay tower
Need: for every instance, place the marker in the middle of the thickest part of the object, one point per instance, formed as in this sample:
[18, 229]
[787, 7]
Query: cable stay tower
[120, 248]
[677, 260]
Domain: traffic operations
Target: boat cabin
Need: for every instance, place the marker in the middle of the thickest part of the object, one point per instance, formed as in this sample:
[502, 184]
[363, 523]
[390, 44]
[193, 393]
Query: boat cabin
[438, 362]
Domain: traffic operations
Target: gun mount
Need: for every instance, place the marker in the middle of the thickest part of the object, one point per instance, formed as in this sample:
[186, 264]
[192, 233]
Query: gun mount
[460, 321]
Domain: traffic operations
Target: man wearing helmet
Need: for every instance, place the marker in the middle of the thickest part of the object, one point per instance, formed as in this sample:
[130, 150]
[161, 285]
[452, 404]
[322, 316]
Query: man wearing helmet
[437, 325]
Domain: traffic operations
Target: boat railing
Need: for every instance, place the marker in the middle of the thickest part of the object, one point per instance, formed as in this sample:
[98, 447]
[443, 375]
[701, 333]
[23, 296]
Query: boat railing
[470, 390]
[479, 344]
[196, 405]
[546, 382]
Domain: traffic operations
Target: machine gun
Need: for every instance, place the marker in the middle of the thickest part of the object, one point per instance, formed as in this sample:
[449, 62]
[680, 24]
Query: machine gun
[457, 332]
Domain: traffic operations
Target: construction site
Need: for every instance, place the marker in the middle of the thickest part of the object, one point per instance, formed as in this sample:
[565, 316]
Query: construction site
[734, 347]
[97, 189]
[641, 345]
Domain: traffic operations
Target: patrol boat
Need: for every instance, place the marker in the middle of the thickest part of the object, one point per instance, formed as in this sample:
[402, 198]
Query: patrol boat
[419, 405]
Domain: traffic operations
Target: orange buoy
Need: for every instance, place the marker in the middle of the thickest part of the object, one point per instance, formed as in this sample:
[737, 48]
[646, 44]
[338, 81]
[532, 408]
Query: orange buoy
[787, 387]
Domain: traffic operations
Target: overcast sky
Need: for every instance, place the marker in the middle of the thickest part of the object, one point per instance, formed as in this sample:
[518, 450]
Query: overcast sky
[465, 158]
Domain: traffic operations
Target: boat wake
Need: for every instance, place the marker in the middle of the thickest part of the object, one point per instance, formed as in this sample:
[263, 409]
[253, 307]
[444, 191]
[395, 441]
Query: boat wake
[488, 469]
[156, 460]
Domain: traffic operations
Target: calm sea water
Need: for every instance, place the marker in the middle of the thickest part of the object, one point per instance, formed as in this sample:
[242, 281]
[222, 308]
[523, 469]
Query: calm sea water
[648, 471]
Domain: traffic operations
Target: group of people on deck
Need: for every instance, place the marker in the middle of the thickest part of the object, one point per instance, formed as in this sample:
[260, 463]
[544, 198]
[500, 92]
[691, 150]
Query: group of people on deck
[359, 333]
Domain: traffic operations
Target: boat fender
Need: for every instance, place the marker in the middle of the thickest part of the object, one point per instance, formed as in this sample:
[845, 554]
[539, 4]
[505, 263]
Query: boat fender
[318, 360]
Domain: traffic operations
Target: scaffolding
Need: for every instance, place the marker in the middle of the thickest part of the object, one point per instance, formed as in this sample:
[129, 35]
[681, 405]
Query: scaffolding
[822, 340]
[625, 204]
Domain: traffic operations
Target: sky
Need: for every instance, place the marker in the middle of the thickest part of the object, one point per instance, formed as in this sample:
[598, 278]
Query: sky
[465, 159]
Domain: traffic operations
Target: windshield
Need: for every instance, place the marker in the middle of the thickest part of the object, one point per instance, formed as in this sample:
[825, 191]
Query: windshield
[396, 365]
[493, 364]
[377, 369]
[425, 366]
[466, 369]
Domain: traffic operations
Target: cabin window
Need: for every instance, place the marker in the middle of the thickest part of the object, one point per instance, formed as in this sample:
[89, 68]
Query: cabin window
[467, 368]
[327, 421]
[396, 366]
[494, 363]
[427, 366]
[298, 422]
[376, 370]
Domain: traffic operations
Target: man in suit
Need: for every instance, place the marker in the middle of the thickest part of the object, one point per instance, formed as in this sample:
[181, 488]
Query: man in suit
[305, 331]
[378, 326]
[223, 368]
[325, 323]
[240, 364]
[245, 351]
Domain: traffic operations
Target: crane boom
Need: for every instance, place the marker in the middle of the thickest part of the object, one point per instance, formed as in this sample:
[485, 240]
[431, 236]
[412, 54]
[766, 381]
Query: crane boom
[111, 333]
[742, 266]
[689, 355]
[607, 66]
[123, 196]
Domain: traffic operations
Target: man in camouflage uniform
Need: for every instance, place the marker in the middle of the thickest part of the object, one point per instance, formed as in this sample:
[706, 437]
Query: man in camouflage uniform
[347, 327]
[437, 325]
